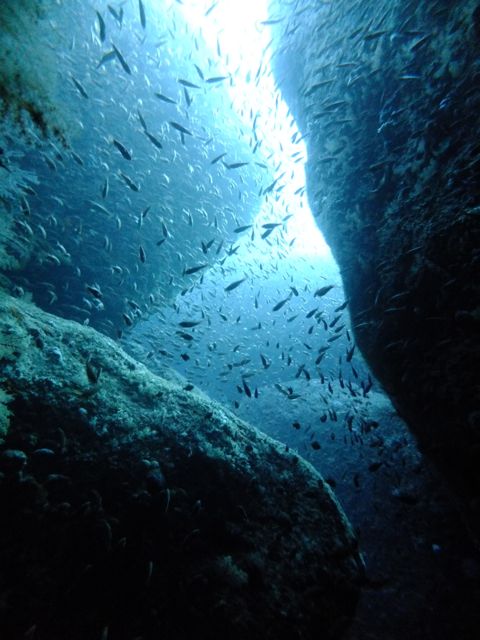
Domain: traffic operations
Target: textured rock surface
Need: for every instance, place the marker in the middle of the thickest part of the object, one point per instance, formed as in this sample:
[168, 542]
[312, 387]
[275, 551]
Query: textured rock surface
[387, 97]
[138, 508]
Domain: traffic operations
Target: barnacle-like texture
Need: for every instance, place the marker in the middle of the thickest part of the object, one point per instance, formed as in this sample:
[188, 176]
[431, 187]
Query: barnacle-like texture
[13, 341]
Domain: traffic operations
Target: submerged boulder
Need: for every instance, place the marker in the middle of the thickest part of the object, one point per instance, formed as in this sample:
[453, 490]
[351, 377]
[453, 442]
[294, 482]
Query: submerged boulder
[137, 507]
[387, 98]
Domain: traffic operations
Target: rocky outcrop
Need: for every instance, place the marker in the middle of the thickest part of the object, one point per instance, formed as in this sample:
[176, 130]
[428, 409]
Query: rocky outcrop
[135, 507]
[387, 98]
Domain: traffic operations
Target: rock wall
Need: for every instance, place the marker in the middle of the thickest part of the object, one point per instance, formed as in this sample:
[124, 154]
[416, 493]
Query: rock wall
[387, 98]
[139, 508]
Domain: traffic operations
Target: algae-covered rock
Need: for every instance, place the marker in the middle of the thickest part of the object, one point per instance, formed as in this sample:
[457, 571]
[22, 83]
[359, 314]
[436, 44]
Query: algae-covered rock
[145, 510]
[27, 68]
[387, 97]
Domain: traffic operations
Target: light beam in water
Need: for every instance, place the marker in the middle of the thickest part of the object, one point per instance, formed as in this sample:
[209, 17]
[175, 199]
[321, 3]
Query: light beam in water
[235, 31]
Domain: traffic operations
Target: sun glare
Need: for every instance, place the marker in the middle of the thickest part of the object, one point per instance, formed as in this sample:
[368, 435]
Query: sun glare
[238, 33]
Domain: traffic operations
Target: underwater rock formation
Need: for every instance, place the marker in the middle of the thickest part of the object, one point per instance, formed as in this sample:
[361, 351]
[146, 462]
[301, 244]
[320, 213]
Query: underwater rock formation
[387, 97]
[139, 508]
[28, 97]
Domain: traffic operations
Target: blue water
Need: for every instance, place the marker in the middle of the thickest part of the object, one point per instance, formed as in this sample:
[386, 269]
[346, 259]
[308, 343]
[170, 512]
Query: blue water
[168, 191]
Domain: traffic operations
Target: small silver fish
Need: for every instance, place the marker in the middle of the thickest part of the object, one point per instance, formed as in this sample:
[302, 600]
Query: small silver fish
[122, 148]
[122, 60]
[234, 285]
[101, 27]
[141, 10]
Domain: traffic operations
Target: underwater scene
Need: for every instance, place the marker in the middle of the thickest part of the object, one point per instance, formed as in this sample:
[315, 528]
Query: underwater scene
[239, 320]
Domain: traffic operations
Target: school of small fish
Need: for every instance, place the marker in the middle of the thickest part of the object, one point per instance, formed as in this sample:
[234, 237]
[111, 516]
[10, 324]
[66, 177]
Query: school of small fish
[153, 197]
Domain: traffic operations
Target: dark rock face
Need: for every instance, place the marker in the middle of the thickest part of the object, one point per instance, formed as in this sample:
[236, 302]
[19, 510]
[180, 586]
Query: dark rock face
[133, 507]
[388, 98]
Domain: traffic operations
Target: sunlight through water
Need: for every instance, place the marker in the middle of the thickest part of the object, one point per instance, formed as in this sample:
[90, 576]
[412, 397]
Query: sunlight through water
[237, 31]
